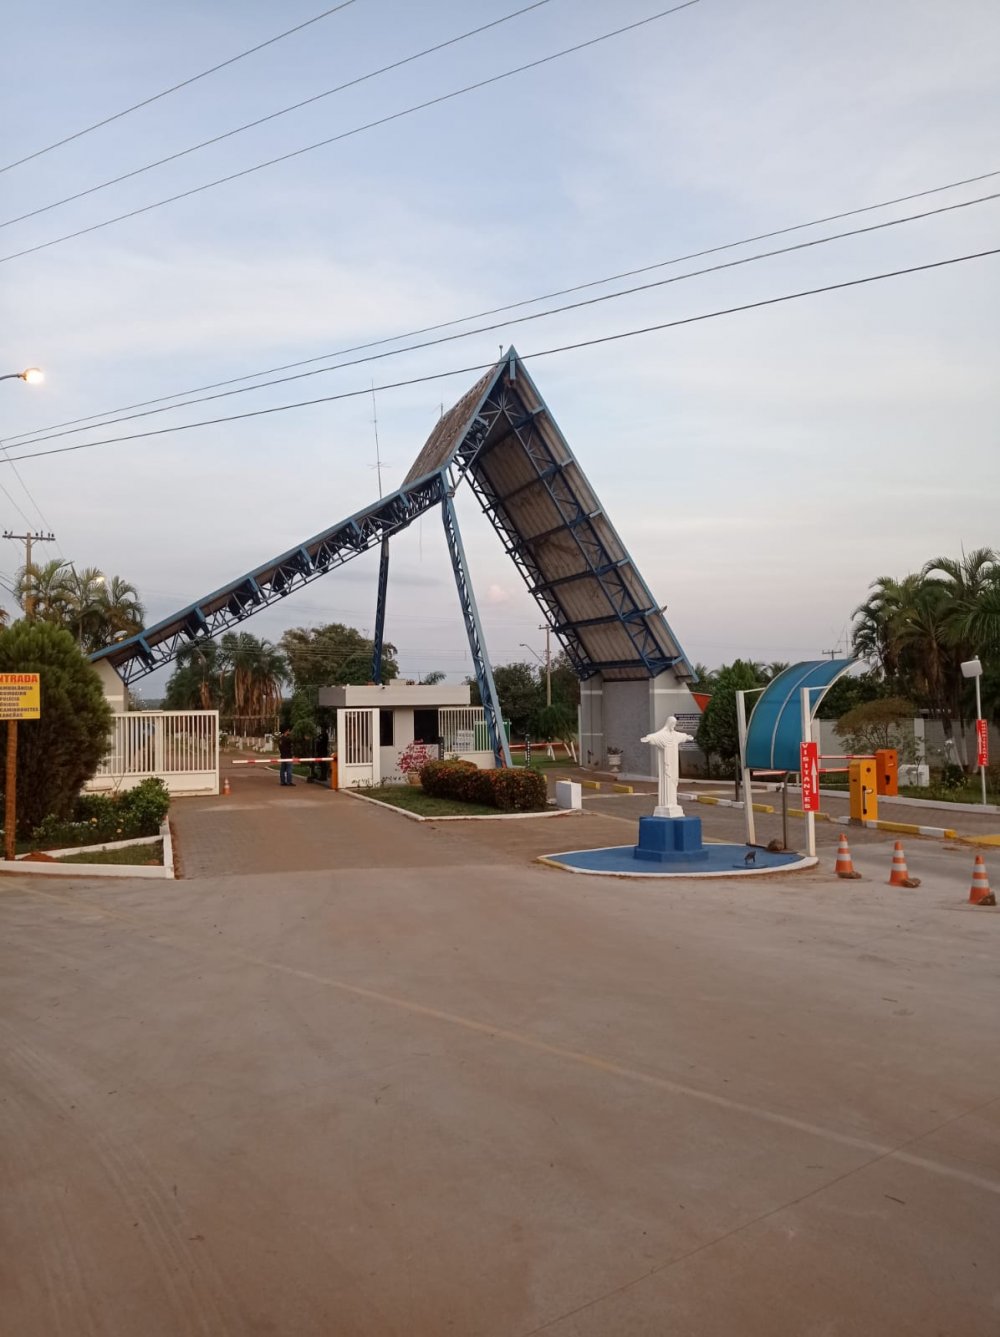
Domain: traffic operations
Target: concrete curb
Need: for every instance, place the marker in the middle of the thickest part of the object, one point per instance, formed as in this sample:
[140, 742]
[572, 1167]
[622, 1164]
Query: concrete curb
[473, 817]
[902, 828]
[552, 861]
[902, 800]
[164, 870]
[726, 802]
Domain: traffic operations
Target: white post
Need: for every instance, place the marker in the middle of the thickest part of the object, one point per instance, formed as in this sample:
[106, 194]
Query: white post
[806, 737]
[741, 724]
[979, 716]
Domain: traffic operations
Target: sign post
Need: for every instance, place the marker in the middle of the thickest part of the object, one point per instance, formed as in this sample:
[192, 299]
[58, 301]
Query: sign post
[806, 742]
[809, 768]
[20, 699]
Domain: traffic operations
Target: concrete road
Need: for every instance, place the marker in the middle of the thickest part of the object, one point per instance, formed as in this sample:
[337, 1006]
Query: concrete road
[431, 1088]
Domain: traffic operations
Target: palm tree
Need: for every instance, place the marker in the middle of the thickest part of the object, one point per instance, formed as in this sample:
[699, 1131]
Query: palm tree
[123, 610]
[83, 607]
[43, 590]
[775, 669]
[198, 682]
[257, 669]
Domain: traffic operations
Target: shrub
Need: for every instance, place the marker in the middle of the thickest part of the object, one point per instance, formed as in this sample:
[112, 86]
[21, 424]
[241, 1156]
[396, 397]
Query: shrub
[146, 806]
[518, 791]
[438, 777]
[101, 818]
[57, 753]
[507, 790]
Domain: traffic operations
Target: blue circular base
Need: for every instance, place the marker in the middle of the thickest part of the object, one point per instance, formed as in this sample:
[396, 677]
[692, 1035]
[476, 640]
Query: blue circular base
[722, 861]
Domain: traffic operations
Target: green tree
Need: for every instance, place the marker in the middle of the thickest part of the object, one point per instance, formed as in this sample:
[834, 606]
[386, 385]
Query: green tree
[565, 685]
[519, 694]
[95, 610]
[849, 691]
[879, 724]
[255, 670]
[333, 655]
[718, 733]
[57, 753]
[42, 590]
[198, 681]
[433, 678]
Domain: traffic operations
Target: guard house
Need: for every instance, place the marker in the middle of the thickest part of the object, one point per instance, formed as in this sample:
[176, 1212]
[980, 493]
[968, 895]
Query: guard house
[376, 724]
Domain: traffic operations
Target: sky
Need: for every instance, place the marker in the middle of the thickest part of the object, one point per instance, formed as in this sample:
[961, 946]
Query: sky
[763, 467]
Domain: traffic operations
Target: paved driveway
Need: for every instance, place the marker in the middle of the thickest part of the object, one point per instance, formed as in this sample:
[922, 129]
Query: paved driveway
[356, 1075]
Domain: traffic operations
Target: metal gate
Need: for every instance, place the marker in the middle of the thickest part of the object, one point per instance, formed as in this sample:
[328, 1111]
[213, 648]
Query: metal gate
[357, 749]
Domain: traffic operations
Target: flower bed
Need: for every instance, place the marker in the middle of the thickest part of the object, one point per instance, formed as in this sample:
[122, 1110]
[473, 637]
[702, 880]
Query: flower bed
[505, 790]
[106, 818]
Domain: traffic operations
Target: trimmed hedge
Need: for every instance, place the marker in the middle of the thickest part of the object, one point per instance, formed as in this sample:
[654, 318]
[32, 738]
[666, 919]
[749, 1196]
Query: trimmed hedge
[509, 791]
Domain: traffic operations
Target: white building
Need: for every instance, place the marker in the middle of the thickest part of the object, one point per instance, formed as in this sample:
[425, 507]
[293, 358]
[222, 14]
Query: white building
[376, 725]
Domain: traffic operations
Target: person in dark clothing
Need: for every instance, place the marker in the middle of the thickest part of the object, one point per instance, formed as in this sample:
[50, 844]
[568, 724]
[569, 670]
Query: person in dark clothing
[321, 748]
[285, 753]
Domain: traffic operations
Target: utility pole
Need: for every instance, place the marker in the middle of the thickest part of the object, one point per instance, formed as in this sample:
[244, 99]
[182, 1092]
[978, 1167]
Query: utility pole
[548, 662]
[28, 540]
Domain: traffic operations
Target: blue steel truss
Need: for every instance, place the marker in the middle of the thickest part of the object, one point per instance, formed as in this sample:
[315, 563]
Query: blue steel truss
[383, 591]
[502, 413]
[477, 644]
[275, 580]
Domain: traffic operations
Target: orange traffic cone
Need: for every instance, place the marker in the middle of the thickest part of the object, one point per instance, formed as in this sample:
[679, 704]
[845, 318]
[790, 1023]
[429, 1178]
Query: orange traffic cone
[225, 786]
[898, 875]
[844, 866]
[981, 893]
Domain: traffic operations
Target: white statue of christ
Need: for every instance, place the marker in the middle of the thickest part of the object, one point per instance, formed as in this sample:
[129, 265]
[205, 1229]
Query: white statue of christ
[667, 742]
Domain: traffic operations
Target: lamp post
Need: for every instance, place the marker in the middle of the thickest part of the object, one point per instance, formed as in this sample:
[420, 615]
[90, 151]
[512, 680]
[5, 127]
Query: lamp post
[31, 375]
[547, 661]
[972, 668]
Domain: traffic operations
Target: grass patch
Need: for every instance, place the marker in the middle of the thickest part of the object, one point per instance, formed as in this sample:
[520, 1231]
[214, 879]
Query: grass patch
[413, 799]
[543, 763]
[132, 854]
[969, 793]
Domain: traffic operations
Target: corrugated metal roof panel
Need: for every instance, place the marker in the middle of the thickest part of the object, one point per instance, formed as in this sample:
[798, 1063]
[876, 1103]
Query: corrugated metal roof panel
[502, 436]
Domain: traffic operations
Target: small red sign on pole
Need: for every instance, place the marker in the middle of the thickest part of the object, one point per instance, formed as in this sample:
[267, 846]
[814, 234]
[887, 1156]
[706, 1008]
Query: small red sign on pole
[983, 742]
[809, 767]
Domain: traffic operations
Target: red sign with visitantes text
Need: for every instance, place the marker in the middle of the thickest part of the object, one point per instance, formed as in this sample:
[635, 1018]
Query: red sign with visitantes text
[983, 743]
[809, 766]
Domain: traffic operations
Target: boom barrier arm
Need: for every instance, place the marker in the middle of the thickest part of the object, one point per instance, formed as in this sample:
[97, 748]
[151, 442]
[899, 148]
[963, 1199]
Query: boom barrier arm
[155, 646]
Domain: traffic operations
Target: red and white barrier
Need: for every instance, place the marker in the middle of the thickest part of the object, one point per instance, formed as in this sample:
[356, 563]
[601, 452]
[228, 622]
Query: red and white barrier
[270, 761]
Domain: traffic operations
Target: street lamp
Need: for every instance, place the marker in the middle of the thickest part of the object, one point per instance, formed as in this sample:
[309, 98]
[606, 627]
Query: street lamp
[972, 668]
[32, 375]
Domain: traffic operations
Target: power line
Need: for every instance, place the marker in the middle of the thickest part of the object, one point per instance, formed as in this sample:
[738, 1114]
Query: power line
[272, 116]
[185, 83]
[347, 134]
[26, 518]
[39, 437]
[20, 438]
[27, 492]
[544, 352]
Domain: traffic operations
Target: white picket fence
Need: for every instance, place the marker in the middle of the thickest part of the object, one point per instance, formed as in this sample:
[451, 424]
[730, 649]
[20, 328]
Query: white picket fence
[181, 747]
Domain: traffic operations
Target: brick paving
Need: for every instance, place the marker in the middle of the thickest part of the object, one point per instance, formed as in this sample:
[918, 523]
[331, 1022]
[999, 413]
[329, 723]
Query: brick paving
[262, 828]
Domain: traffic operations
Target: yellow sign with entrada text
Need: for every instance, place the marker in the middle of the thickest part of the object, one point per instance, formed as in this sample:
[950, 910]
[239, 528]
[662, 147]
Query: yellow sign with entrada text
[20, 696]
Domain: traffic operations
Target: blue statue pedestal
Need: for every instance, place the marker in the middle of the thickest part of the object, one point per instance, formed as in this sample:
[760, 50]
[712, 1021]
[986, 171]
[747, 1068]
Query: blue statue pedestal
[670, 840]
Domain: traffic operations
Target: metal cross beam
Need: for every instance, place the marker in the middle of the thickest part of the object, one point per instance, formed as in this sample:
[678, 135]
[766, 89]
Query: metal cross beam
[209, 617]
[477, 643]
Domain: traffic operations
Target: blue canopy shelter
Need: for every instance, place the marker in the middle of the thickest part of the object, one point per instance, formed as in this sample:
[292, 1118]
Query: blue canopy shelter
[775, 730]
